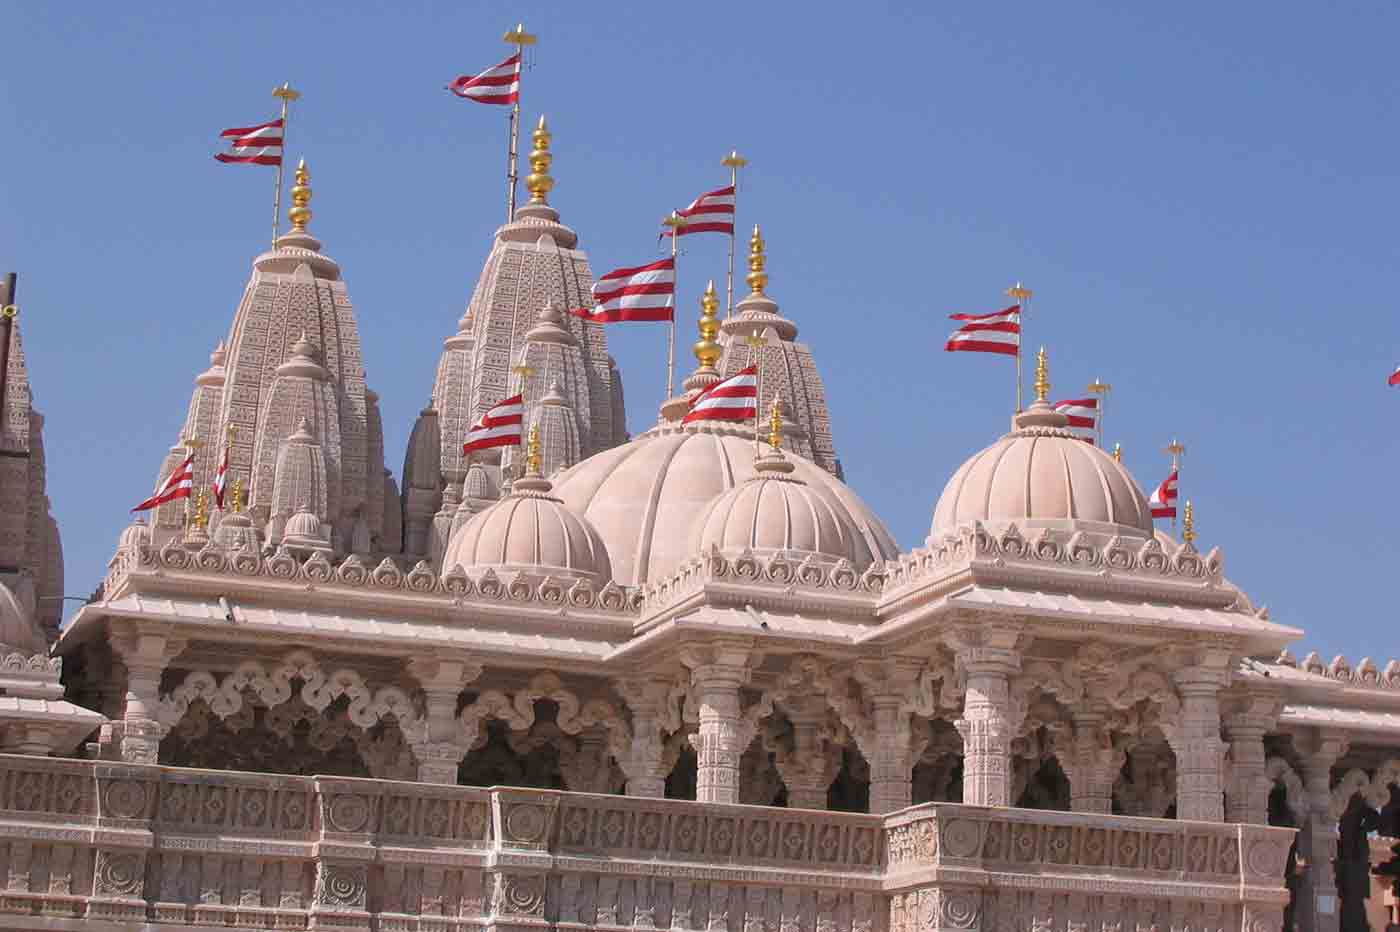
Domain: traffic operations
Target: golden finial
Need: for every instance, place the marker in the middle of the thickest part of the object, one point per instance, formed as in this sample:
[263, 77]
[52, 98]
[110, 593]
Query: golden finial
[1118, 452]
[1019, 292]
[1188, 524]
[237, 495]
[230, 432]
[201, 510]
[757, 277]
[300, 214]
[707, 348]
[538, 182]
[1042, 376]
[775, 425]
[533, 459]
[519, 37]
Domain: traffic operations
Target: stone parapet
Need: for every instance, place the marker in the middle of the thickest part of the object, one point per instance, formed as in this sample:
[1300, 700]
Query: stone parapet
[129, 843]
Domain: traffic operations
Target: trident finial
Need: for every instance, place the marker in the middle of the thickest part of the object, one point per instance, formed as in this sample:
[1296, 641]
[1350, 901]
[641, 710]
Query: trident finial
[775, 425]
[707, 348]
[1188, 524]
[538, 182]
[300, 214]
[533, 459]
[757, 277]
[1042, 376]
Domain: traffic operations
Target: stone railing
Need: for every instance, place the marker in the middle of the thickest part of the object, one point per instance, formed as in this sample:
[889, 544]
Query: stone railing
[118, 844]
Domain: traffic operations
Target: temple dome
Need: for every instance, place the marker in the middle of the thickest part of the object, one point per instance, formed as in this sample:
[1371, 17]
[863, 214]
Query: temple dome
[774, 512]
[530, 531]
[1041, 475]
[644, 496]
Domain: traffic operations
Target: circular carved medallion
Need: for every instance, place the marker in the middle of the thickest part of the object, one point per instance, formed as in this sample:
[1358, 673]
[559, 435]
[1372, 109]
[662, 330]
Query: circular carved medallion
[349, 813]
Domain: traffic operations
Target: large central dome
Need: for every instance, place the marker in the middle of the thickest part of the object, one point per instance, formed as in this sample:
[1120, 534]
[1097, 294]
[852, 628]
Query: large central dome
[644, 497]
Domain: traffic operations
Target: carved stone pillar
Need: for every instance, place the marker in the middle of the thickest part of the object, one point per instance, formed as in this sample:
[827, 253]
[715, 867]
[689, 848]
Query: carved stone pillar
[809, 766]
[441, 749]
[587, 765]
[1091, 761]
[1248, 715]
[654, 713]
[889, 745]
[1195, 739]
[989, 658]
[145, 653]
[717, 672]
[1317, 908]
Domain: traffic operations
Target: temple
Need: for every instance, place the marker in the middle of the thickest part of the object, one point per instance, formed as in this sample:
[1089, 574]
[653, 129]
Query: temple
[681, 680]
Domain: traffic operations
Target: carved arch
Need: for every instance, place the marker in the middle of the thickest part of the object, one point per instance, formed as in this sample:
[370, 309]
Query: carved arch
[272, 687]
[1279, 771]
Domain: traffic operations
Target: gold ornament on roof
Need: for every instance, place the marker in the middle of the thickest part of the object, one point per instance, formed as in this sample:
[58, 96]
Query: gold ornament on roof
[533, 459]
[1188, 524]
[237, 495]
[775, 425]
[201, 510]
[707, 348]
[1042, 376]
[300, 214]
[1118, 452]
[757, 277]
[538, 182]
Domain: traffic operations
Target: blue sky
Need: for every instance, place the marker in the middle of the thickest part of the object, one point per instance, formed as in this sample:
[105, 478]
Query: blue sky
[1200, 194]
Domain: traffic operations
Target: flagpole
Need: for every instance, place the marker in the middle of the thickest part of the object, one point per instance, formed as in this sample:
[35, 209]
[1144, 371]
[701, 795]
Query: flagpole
[519, 38]
[1101, 389]
[676, 222]
[191, 445]
[1177, 450]
[733, 161]
[287, 95]
[1022, 296]
[524, 372]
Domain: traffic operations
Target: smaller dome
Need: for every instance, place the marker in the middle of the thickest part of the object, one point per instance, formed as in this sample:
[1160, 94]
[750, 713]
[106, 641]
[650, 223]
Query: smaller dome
[1042, 475]
[135, 535]
[305, 530]
[529, 531]
[775, 512]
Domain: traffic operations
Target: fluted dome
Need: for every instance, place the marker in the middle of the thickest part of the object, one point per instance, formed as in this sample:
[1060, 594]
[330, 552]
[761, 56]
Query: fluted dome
[1041, 475]
[644, 496]
[529, 531]
[776, 512]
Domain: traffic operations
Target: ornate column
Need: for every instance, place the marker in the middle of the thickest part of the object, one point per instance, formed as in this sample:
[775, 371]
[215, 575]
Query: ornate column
[1091, 761]
[888, 741]
[988, 656]
[441, 749]
[717, 671]
[809, 766]
[1195, 739]
[145, 652]
[652, 702]
[1248, 714]
[1317, 907]
[586, 763]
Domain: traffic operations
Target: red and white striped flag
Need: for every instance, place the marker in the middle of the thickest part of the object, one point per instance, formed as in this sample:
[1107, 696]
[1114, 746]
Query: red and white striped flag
[1163, 501]
[253, 145]
[647, 292]
[499, 427]
[711, 212]
[177, 485]
[1395, 377]
[1083, 414]
[734, 399]
[987, 333]
[499, 84]
[221, 480]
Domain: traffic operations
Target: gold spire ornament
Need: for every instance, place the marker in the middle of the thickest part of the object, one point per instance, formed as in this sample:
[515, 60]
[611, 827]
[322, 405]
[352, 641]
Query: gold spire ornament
[1042, 376]
[758, 261]
[538, 182]
[1118, 452]
[236, 492]
[300, 214]
[707, 349]
[775, 425]
[533, 459]
[1188, 524]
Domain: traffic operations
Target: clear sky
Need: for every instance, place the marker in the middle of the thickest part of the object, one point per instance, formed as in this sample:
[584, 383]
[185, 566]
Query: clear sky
[1201, 195]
